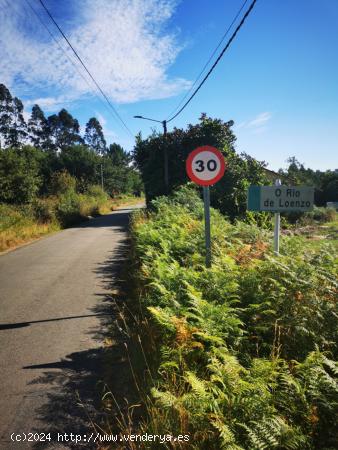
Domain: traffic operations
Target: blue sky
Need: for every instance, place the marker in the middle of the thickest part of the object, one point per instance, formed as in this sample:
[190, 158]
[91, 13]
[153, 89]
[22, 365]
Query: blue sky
[278, 81]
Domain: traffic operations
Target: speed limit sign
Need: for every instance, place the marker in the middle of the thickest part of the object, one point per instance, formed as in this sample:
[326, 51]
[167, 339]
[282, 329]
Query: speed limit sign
[205, 165]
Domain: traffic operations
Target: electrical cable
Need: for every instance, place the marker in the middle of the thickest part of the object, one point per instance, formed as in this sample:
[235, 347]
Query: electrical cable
[61, 48]
[67, 56]
[217, 60]
[210, 58]
[84, 66]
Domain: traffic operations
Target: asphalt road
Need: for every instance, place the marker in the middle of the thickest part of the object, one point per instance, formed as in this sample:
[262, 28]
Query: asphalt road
[54, 312]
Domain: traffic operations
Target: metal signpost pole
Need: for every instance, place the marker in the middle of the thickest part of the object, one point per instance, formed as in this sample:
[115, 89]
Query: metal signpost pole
[206, 198]
[277, 226]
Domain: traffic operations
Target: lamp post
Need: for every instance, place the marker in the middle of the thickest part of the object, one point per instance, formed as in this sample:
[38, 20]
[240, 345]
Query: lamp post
[166, 161]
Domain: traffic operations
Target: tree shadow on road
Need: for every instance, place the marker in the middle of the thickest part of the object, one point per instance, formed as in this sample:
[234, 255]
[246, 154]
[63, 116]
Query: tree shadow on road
[75, 385]
[114, 331]
[73, 400]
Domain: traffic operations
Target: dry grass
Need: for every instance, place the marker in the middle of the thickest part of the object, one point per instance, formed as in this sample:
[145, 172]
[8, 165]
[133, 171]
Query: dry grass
[25, 233]
[18, 225]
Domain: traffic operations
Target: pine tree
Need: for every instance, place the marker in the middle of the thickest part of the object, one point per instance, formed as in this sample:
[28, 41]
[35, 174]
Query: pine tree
[94, 137]
[38, 129]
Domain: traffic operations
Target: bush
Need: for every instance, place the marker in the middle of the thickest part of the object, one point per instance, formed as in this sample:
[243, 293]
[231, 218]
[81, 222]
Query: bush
[18, 224]
[321, 215]
[68, 209]
[19, 175]
[96, 191]
[44, 210]
[61, 183]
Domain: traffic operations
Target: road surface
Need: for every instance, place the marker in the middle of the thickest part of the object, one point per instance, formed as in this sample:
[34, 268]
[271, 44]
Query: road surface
[55, 307]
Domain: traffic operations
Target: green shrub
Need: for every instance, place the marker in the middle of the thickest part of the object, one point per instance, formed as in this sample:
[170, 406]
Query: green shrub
[61, 183]
[68, 208]
[97, 192]
[44, 210]
[19, 175]
[321, 215]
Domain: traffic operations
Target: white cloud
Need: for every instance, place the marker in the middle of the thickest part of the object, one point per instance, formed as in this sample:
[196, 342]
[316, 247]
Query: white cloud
[51, 103]
[121, 42]
[258, 124]
[260, 120]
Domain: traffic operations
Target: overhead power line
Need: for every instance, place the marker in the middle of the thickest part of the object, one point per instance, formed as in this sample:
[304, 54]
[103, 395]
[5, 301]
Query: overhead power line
[67, 55]
[60, 46]
[217, 60]
[86, 69]
[210, 58]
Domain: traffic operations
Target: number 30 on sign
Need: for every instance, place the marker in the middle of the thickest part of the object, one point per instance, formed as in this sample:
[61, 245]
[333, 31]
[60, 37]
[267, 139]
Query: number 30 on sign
[205, 165]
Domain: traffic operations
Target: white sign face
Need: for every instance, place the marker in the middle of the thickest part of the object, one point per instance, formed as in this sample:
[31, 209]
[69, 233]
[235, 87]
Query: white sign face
[285, 198]
[205, 165]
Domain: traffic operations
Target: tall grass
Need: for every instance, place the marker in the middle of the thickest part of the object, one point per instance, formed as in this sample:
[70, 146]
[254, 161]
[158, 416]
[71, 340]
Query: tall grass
[19, 224]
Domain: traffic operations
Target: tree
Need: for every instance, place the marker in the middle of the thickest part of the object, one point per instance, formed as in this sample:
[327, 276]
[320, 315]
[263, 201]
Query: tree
[329, 186]
[118, 155]
[82, 163]
[12, 123]
[94, 137]
[38, 129]
[64, 130]
[19, 174]
[18, 130]
[229, 195]
[5, 108]
[325, 183]
[119, 175]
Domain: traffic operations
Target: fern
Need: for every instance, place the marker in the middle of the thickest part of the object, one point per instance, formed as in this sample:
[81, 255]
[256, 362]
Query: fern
[244, 350]
[274, 432]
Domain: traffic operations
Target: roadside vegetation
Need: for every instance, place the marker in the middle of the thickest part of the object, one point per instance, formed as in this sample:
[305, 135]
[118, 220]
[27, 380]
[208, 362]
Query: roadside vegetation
[51, 176]
[229, 195]
[25, 222]
[241, 355]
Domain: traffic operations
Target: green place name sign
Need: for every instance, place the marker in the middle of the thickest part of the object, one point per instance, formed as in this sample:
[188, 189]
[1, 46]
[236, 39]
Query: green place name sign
[280, 198]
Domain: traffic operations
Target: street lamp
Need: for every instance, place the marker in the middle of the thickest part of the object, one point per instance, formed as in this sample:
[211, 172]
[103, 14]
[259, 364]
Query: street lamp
[166, 168]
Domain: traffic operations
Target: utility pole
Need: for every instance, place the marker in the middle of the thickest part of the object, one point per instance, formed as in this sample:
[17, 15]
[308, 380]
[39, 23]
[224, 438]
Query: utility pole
[166, 161]
[165, 150]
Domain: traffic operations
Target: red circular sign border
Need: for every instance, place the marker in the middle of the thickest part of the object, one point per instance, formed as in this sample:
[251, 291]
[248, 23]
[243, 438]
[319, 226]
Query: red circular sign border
[191, 156]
